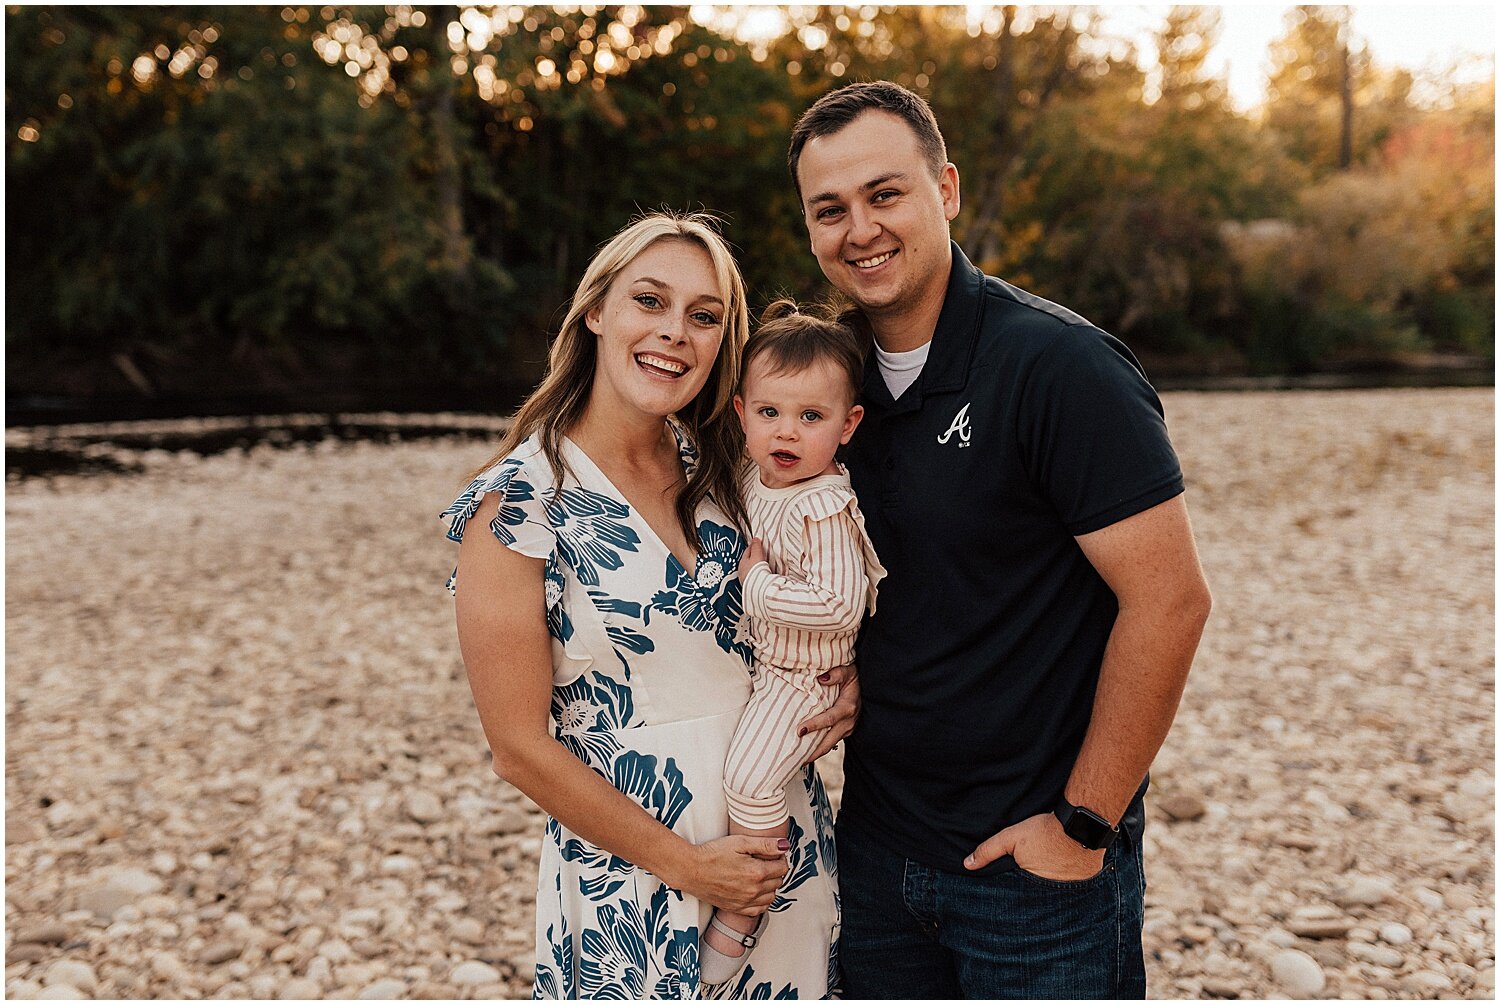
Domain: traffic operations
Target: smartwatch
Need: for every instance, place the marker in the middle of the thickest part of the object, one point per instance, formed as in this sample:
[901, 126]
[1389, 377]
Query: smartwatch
[1084, 825]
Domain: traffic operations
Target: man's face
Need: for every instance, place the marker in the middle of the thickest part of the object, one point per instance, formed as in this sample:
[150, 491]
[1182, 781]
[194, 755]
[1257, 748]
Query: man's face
[877, 217]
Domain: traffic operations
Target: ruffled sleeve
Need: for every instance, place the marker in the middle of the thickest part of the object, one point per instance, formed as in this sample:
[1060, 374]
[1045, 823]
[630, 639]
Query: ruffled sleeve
[824, 503]
[524, 523]
[521, 523]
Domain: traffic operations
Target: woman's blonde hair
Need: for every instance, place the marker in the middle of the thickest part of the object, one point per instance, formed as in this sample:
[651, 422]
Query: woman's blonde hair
[710, 421]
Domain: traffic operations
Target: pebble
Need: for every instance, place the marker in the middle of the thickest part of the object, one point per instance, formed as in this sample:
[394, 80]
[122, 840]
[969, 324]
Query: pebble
[62, 993]
[1459, 898]
[1301, 842]
[21, 990]
[1364, 891]
[1426, 982]
[1383, 956]
[299, 988]
[74, 973]
[383, 990]
[1222, 988]
[468, 930]
[423, 807]
[221, 952]
[1395, 933]
[1297, 973]
[1430, 899]
[47, 934]
[474, 972]
[26, 952]
[1320, 928]
[1180, 806]
[130, 701]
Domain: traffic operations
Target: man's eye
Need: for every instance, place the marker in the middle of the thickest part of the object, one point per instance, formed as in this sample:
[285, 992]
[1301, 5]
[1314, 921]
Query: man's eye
[648, 300]
[829, 213]
[886, 195]
[811, 416]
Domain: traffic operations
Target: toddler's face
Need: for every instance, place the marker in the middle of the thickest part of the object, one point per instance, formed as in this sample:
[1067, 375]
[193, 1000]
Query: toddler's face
[794, 421]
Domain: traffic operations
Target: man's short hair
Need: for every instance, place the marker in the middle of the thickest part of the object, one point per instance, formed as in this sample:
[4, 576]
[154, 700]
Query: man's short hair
[836, 109]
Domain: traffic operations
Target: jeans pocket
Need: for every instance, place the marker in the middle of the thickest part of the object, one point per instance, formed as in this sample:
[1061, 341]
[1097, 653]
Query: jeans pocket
[1105, 870]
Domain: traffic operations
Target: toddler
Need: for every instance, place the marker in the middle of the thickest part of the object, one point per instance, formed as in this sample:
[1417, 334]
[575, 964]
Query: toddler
[808, 576]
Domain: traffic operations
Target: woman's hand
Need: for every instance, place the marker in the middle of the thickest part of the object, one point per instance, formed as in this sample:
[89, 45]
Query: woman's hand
[737, 873]
[839, 719]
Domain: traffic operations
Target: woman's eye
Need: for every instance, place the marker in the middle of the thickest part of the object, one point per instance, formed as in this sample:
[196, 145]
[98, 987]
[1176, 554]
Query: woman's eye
[648, 300]
[707, 319]
[810, 416]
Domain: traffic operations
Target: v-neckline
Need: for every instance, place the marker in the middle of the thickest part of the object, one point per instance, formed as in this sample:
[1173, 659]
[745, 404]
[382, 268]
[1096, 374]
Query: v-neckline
[695, 542]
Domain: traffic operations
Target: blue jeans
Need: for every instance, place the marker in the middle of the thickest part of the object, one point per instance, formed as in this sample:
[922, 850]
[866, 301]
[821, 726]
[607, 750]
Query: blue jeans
[912, 931]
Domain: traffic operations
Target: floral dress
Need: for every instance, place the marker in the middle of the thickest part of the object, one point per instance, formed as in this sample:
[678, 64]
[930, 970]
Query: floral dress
[648, 684]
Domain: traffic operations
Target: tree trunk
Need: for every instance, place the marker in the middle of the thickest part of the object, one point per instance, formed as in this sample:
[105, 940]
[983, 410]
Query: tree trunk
[448, 177]
[1346, 102]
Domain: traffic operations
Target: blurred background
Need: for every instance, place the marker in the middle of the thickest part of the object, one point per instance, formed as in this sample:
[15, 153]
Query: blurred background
[221, 210]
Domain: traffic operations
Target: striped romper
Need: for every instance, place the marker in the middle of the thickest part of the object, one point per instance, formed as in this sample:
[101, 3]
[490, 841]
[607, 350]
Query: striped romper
[803, 608]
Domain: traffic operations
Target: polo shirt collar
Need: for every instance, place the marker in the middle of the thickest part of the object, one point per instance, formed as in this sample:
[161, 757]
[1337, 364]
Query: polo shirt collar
[953, 341]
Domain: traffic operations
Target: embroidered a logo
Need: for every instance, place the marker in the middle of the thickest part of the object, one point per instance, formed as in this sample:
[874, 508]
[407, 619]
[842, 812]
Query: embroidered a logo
[960, 425]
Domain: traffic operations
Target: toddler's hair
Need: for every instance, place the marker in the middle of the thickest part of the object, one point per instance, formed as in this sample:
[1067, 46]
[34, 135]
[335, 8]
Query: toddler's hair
[793, 339]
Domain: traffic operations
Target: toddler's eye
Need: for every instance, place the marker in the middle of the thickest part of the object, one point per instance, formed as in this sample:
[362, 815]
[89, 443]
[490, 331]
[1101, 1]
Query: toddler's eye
[768, 412]
[811, 416]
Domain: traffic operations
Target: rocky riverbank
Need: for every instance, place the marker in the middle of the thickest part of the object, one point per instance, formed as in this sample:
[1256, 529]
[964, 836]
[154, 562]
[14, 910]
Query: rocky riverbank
[241, 759]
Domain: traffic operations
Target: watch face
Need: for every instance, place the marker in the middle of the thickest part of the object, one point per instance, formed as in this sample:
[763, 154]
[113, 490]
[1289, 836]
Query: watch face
[1088, 828]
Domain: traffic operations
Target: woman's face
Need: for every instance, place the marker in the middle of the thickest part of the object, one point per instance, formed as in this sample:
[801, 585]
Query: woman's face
[658, 330]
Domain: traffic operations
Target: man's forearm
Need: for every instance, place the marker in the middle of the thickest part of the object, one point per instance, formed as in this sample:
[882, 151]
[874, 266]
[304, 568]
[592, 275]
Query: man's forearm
[1146, 663]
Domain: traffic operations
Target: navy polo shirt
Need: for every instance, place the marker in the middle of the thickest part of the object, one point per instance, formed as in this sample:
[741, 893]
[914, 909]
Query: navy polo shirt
[1027, 427]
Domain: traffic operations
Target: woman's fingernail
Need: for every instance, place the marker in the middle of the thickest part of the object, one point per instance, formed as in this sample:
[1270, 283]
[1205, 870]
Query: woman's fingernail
[783, 844]
[801, 732]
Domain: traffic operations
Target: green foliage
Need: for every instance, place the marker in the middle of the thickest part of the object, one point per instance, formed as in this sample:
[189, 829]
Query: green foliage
[345, 197]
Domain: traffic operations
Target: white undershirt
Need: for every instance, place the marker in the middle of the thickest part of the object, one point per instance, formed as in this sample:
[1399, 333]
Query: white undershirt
[901, 369]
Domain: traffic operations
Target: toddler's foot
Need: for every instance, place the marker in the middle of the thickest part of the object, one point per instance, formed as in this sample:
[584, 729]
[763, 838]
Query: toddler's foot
[727, 943]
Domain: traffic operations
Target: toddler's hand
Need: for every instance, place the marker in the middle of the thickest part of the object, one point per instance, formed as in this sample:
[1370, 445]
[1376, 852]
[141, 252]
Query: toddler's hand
[754, 554]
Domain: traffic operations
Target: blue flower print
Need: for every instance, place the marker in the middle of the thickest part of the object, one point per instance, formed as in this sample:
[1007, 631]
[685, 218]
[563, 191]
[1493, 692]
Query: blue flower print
[623, 636]
[558, 622]
[635, 775]
[614, 956]
[560, 980]
[803, 866]
[587, 715]
[682, 966]
[823, 817]
[591, 531]
[503, 483]
[711, 600]
[741, 990]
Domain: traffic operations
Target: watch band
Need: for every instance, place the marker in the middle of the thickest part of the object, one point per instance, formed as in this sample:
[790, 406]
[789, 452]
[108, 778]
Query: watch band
[1084, 825]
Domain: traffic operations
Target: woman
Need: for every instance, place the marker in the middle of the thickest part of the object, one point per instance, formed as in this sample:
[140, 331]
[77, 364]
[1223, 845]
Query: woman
[597, 620]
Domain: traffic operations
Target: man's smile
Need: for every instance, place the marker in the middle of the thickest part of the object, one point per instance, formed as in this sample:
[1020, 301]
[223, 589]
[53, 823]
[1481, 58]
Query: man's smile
[873, 261]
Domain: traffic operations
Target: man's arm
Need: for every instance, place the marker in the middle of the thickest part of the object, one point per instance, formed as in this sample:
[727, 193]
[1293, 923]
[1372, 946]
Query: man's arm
[1151, 563]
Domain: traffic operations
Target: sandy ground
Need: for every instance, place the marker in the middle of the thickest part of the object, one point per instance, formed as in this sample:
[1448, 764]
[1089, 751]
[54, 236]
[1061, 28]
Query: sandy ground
[242, 761]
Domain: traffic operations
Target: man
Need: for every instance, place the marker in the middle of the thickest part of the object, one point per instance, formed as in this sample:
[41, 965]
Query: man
[1043, 605]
